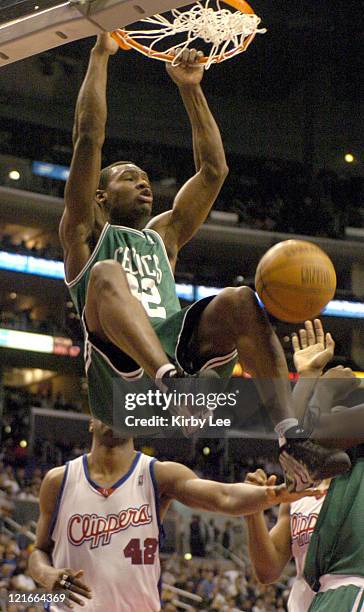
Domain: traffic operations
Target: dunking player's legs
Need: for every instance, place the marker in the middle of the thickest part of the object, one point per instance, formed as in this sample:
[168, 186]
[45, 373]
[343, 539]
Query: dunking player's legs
[115, 315]
[234, 320]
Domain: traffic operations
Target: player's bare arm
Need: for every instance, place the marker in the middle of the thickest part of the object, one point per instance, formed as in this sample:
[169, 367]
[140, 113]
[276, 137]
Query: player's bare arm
[195, 199]
[40, 563]
[269, 551]
[176, 481]
[312, 350]
[81, 217]
[337, 383]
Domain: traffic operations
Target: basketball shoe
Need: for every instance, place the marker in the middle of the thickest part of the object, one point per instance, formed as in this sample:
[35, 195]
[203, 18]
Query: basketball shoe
[305, 462]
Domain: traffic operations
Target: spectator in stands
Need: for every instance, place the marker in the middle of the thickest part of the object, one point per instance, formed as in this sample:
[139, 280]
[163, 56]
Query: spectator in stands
[8, 481]
[226, 536]
[212, 535]
[259, 606]
[197, 540]
[20, 477]
[219, 599]
[6, 504]
[6, 571]
[22, 539]
[206, 587]
[167, 576]
[60, 401]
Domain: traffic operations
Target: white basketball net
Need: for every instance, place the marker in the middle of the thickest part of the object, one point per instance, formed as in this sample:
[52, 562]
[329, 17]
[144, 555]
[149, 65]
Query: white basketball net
[224, 29]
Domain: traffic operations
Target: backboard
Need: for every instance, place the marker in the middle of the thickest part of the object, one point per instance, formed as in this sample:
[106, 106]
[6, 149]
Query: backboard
[27, 28]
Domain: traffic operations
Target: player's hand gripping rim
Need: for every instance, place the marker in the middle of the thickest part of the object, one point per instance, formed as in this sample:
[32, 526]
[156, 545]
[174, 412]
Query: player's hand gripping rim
[69, 581]
[186, 69]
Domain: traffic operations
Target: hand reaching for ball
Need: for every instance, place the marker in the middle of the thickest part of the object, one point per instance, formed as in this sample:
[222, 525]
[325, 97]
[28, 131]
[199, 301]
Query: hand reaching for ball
[312, 349]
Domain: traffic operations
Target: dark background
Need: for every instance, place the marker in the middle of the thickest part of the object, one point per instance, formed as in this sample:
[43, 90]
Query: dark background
[295, 94]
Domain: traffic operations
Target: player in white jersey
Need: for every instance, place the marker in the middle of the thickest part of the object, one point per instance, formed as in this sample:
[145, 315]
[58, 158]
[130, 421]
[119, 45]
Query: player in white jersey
[99, 528]
[290, 537]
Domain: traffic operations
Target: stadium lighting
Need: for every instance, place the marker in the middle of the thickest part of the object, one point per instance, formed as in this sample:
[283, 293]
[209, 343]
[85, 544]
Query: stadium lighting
[23, 443]
[206, 451]
[349, 158]
[14, 175]
[187, 556]
[344, 308]
[53, 171]
[39, 343]
[31, 265]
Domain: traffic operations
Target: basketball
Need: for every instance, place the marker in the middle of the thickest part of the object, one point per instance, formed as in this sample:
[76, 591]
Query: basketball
[295, 280]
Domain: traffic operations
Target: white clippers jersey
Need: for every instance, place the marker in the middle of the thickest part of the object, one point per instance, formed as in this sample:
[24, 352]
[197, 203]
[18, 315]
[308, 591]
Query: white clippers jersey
[112, 534]
[304, 515]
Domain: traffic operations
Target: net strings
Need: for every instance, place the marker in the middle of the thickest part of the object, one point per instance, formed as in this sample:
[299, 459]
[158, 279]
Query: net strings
[221, 28]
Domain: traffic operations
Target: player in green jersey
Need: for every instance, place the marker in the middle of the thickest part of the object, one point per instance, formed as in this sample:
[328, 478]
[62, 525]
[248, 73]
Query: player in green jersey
[335, 558]
[119, 264]
[334, 566]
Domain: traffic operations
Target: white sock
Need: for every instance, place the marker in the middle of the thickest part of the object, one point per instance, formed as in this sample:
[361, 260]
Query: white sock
[284, 426]
[161, 372]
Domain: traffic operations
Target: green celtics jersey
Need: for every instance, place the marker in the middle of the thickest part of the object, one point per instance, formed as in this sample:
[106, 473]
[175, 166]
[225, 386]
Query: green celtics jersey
[337, 543]
[112, 374]
[144, 259]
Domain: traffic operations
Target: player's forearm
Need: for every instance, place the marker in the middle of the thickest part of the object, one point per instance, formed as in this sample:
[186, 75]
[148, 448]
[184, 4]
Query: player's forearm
[323, 395]
[39, 563]
[342, 429]
[207, 143]
[262, 551]
[91, 108]
[301, 395]
[244, 499]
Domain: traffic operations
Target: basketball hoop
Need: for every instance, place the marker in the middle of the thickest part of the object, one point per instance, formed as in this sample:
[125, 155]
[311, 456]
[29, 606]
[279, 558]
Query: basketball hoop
[228, 32]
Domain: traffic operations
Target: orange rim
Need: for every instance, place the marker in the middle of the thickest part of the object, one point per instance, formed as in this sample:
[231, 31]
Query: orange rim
[127, 42]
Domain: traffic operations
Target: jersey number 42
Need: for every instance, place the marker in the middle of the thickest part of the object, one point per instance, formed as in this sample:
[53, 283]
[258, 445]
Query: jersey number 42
[139, 555]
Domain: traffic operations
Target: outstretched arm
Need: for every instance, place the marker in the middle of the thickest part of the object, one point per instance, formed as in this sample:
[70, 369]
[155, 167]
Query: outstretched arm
[315, 394]
[343, 429]
[195, 199]
[269, 551]
[176, 481]
[88, 137]
[312, 350]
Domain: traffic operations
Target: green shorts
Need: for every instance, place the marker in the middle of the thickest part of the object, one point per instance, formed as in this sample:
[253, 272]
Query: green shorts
[343, 599]
[111, 373]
